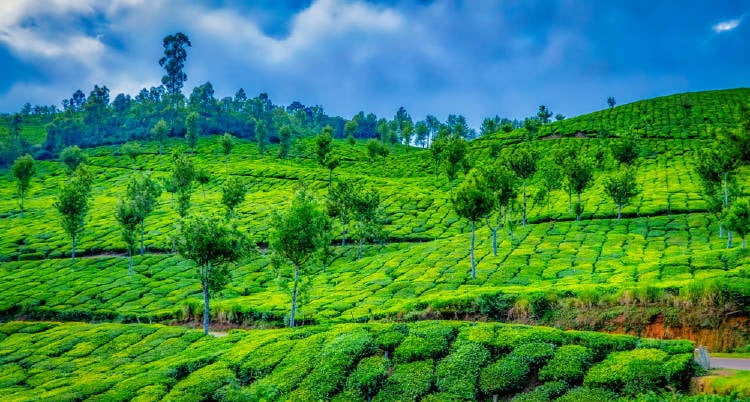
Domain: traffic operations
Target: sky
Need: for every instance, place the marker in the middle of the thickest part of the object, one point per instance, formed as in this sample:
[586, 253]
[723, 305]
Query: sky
[478, 58]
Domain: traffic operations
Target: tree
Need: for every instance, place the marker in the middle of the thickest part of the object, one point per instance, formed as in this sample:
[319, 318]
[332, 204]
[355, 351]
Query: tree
[285, 141]
[72, 157]
[503, 184]
[544, 114]
[227, 143]
[473, 200]
[422, 132]
[738, 218]
[298, 235]
[437, 148]
[142, 195]
[579, 176]
[407, 131]
[183, 173]
[367, 215]
[350, 129]
[626, 150]
[523, 162]
[202, 177]
[715, 167]
[72, 204]
[261, 137]
[373, 148]
[211, 244]
[127, 217]
[159, 135]
[132, 150]
[621, 187]
[192, 124]
[173, 63]
[559, 117]
[339, 205]
[611, 102]
[455, 157]
[233, 192]
[23, 170]
[324, 152]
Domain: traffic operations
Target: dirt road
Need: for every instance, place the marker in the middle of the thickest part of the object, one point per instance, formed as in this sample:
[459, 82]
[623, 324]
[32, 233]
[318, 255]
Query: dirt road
[736, 364]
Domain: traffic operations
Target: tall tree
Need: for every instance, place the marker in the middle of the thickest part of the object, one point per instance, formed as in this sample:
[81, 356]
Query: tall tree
[621, 187]
[503, 184]
[233, 192]
[473, 200]
[142, 197]
[261, 136]
[285, 141]
[175, 55]
[72, 157]
[367, 215]
[523, 162]
[132, 150]
[183, 173]
[298, 235]
[192, 125]
[350, 129]
[579, 176]
[544, 114]
[738, 218]
[716, 166]
[127, 217]
[212, 245]
[339, 205]
[159, 135]
[202, 177]
[611, 102]
[455, 157]
[23, 170]
[227, 143]
[324, 152]
[73, 204]
[422, 132]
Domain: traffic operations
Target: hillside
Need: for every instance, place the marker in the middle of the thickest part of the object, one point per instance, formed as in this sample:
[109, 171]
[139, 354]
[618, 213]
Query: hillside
[662, 271]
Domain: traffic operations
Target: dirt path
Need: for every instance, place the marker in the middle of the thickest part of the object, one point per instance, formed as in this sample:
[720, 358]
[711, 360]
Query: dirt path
[223, 334]
[736, 364]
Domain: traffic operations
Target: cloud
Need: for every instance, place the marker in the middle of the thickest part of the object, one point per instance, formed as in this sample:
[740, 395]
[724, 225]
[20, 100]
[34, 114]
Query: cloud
[727, 25]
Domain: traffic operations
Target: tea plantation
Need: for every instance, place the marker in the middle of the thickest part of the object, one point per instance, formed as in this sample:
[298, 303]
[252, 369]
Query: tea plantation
[364, 334]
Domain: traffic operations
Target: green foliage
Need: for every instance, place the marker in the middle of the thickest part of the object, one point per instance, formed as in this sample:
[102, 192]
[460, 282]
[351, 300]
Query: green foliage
[233, 192]
[626, 149]
[588, 394]
[369, 375]
[23, 170]
[127, 217]
[457, 373]
[633, 372]
[473, 199]
[409, 381]
[569, 364]
[503, 377]
[454, 156]
[285, 141]
[183, 174]
[621, 187]
[72, 157]
[192, 123]
[73, 204]
[738, 218]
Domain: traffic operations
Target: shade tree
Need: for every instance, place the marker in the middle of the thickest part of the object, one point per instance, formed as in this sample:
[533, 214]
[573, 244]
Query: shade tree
[298, 234]
[212, 245]
[159, 135]
[72, 157]
[23, 170]
[738, 218]
[132, 150]
[127, 217]
[473, 200]
[621, 187]
[73, 204]
[523, 161]
[503, 183]
[233, 193]
[227, 143]
[142, 197]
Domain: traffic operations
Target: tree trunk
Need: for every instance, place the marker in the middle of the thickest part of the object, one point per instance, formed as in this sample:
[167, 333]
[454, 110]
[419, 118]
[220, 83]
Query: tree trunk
[619, 212]
[578, 214]
[523, 221]
[726, 190]
[570, 201]
[142, 230]
[73, 252]
[360, 248]
[473, 271]
[721, 230]
[226, 162]
[343, 233]
[330, 178]
[494, 235]
[729, 239]
[205, 306]
[294, 296]
[130, 265]
[22, 214]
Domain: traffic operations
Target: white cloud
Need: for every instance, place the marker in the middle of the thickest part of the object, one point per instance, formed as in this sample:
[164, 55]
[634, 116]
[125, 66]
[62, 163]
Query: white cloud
[727, 25]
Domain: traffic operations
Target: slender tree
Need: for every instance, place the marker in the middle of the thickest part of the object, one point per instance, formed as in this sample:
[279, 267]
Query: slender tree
[72, 157]
[503, 184]
[523, 162]
[127, 217]
[212, 245]
[716, 166]
[23, 170]
[544, 114]
[298, 235]
[227, 143]
[473, 200]
[183, 174]
[350, 129]
[455, 157]
[159, 135]
[611, 102]
[175, 55]
[132, 150]
[738, 218]
[367, 215]
[621, 187]
[339, 205]
[261, 136]
[202, 177]
[73, 204]
[233, 192]
[192, 124]
[579, 176]
[142, 197]
[285, 141]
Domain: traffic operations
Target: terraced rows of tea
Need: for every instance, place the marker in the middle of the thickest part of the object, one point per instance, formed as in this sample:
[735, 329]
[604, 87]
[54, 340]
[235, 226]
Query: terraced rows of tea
[431, 361]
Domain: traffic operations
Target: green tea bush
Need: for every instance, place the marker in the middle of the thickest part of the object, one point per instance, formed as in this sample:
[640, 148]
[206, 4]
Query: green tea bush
[457, 373]
[367, 378]
[569, 364]
[579, 394]
[544, 392]
[409, 381]
[202, 383]
[533, 354]
[428, 340]
[632, 372]
[601, 344]
[504, 377]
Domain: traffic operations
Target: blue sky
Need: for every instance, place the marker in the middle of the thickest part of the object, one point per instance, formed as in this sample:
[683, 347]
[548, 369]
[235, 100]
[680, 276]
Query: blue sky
[477, 58]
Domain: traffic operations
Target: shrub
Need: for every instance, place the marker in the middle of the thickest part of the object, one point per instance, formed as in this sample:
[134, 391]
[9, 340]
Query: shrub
[600, 344]
[544, 392]
[503, 377]
[631, 372]
[588, 394]
[679, 369]
[368, 376]
[408, 382]
[533, 354]
[457, 373]
[569, 364]
[425, 341]
[202, 383]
